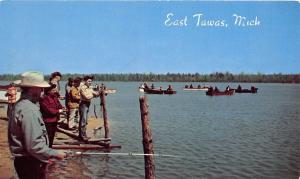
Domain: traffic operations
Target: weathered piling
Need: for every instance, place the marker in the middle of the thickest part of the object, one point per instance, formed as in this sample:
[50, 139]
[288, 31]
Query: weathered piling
[103, 107]
[147, 139]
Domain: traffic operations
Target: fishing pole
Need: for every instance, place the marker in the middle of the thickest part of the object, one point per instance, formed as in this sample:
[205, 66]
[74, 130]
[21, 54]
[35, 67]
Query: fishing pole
[120, 154]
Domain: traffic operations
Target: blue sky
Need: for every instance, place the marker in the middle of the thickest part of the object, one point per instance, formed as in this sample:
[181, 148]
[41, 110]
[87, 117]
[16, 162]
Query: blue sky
[130, 37]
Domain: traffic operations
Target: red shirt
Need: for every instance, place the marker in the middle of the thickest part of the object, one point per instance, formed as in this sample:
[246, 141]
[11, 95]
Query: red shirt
[50, 106]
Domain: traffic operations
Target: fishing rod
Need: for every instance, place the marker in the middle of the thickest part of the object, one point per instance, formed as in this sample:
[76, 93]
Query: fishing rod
[119, 154]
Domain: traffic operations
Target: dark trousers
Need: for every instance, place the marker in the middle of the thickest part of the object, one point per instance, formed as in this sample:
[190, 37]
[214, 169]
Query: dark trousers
[51, 129]
[30, 168]
[10, 108]
[83, 114]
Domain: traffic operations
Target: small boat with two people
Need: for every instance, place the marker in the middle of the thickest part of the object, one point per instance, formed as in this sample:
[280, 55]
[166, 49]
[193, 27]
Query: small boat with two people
[152, 90]
[198, 88]
[215, 92]
[106, 90]
[251, 90]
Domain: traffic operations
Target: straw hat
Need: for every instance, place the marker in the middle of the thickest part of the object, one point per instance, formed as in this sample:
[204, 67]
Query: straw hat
[32, 79]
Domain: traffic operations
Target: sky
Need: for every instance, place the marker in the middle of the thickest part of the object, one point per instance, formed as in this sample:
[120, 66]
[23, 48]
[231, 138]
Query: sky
[144, 37]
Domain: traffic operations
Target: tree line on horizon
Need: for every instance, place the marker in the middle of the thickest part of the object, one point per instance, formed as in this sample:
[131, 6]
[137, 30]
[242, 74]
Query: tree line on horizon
[180, 77]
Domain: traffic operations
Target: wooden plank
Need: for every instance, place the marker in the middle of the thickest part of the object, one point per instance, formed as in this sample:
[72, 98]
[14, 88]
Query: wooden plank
[91, 141]
[69, 133]
[86, 147]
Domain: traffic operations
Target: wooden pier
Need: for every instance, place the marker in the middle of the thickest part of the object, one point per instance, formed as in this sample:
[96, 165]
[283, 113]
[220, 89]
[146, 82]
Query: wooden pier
[70, 140]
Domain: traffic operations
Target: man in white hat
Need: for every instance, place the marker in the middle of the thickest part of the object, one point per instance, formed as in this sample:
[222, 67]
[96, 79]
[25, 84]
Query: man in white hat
[27, 135]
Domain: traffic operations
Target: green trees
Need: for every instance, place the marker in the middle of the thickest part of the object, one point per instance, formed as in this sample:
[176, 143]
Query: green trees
[182, 77]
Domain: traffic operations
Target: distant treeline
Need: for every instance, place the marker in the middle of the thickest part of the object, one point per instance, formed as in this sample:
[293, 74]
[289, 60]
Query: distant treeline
[182, 77]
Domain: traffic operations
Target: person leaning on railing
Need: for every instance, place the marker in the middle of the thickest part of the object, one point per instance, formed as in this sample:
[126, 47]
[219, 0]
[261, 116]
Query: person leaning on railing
[87, 93]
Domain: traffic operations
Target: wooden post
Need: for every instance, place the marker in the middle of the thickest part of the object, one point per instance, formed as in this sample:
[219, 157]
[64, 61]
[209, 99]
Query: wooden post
[102, 103]
[147, 139]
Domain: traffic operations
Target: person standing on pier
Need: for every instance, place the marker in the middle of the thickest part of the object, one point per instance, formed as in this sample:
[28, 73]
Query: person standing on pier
[51, 110]
[68, 87]
[27, 135]
[73, 104]
[87, 94]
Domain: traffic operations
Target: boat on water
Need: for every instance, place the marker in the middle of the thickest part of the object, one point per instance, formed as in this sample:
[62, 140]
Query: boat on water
[153, 91]
[156, 91]
[196, 89]
[141, 89]
[110, 91]
[106, 90]
[220, 93]
[169, 92]
[252, 90]
[3, 91]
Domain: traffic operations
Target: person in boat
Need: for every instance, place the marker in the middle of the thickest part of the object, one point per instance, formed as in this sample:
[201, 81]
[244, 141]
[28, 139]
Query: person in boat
[86, 94]
[73, 104]
[228, 88]
[186, 86]
[191, 86]
[210, 89]
[152, 86]
[27, 135]
[146, 86]
[253, 88]
[216, 89]
[11, 95]
[239, 88]
[51, 109]
[199, 87]
[170, 88]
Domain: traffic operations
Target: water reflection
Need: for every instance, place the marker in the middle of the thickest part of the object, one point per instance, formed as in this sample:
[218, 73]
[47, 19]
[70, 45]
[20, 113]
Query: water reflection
[80, 167]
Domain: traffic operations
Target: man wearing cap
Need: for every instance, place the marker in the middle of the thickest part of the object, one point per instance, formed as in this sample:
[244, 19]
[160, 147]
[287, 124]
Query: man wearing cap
[27, 135]
[87, 94]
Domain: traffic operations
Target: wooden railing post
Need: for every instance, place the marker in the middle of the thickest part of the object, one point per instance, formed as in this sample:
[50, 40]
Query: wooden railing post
[102, 103]
[147, 139]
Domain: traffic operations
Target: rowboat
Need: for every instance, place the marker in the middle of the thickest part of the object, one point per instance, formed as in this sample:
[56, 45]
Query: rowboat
[156, 91]
[196, 89]
[169, 92]
[220, 93]
[153, 91]
[252, 90]
[141, 89]
[110, 91]
[106, 90]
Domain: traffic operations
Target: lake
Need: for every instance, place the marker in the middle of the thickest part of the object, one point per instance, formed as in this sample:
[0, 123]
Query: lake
[239, 136]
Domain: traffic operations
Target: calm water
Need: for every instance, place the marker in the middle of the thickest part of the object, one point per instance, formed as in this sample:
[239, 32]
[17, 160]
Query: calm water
[239, 136]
